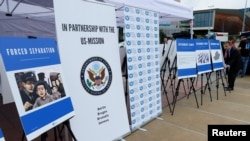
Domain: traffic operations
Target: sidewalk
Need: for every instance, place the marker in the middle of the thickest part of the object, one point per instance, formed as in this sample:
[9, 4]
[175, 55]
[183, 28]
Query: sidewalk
[189, 123]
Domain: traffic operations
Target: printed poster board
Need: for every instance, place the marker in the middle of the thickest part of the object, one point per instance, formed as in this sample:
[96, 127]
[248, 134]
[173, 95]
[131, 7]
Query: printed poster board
[203, 59]
[24, 61]
[88, 44]
[216, 54]
[186, 58]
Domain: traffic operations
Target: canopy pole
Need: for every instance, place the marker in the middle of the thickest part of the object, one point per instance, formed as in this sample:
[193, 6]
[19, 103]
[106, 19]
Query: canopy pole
[10, 13]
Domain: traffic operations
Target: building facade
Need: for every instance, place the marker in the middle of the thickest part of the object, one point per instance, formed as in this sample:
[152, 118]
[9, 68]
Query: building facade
[220, 20]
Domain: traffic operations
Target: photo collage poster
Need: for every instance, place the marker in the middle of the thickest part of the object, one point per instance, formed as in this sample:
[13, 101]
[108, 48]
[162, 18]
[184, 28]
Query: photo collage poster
[216, 54]
[203, 59]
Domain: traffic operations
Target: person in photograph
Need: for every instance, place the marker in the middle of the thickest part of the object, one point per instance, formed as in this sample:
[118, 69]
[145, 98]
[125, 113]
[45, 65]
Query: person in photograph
[55, 93]
[43, 96]
[59, 84]
[19, 81]
[41, 77]
[233, 64]
[27, 92]
[56, 80]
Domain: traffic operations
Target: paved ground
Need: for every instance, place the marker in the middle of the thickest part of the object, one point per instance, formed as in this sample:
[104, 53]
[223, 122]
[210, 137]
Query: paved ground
[189, 123]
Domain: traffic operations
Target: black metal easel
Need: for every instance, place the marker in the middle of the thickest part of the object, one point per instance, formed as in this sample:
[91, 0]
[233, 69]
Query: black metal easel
[218, 78]
[207, 85]
[125, 74]
[164, 67]
[67, 124]
[163, 86]
[174, 70]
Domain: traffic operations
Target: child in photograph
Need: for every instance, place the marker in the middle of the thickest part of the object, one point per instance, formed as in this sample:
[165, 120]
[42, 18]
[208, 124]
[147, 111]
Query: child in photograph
[41, 91]
[41, 77]
[55, 93]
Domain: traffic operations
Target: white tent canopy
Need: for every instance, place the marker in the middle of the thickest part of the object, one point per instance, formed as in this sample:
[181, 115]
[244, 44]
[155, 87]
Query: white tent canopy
[21, 19]
[36, 17]
[169, 10]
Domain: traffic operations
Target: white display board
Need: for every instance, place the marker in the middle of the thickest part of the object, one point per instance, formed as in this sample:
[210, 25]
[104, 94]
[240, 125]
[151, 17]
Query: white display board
[203, 59]
[88, 45]
[169, 56]
[186, 58]
[143, 60]
[23, 59]
[216, 54]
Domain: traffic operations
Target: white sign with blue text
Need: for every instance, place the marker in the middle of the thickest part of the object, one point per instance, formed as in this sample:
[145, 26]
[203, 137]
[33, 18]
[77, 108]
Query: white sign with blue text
[186, 58]
[87, 39]
[33, 69]
[202, 56]
[216, 54]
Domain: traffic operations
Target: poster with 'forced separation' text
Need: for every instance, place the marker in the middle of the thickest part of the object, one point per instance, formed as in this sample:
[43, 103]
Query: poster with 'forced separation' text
[35, 78]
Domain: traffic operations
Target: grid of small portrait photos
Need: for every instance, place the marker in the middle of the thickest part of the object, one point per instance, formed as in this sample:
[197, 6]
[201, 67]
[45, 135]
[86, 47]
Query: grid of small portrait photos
[143, 63]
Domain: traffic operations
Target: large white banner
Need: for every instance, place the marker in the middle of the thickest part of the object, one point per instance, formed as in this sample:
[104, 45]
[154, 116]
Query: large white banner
[33, 68]
[88, 45]
[143, 60]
